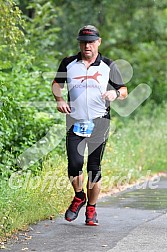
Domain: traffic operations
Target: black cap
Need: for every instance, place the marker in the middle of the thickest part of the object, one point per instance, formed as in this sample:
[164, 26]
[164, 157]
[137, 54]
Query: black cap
[88, 33]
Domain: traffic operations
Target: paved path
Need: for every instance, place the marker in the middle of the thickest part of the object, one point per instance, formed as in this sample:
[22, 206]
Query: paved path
[134, 220]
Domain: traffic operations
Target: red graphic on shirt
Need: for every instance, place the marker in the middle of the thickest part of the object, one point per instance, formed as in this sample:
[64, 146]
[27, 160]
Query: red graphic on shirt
[94, 77]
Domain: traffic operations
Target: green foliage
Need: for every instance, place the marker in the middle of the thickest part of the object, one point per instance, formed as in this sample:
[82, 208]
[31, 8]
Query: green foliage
[41, 30]
[22, 82]
[20, 128]
[10, 24]
[150, 67]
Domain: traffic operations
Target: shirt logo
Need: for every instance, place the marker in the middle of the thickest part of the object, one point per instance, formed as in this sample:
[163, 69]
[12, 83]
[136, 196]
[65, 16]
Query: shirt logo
[86, 77]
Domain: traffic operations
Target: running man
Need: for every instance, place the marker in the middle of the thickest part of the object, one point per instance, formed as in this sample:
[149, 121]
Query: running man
[93, 81]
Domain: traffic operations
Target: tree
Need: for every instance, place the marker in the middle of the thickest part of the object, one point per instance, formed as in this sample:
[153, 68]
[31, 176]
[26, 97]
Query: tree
[10, 23]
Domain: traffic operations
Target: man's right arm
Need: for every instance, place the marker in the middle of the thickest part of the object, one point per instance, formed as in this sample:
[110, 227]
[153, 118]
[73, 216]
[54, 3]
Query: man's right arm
[62, 105]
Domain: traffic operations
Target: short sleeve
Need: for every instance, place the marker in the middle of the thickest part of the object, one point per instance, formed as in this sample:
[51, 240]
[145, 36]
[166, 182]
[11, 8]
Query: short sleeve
[61, 75]
[116, 80]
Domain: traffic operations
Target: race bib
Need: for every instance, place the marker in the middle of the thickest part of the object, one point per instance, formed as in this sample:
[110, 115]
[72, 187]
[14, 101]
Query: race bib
[83, 128]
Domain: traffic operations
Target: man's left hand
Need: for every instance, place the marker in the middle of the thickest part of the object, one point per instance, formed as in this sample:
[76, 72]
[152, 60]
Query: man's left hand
[110, 95]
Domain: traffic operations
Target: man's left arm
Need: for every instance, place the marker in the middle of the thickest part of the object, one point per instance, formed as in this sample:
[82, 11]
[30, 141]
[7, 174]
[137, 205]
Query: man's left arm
[116, 88]
[112, 95]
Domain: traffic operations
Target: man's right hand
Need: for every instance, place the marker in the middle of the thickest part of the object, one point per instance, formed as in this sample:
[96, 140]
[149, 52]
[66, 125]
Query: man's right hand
[63, 107]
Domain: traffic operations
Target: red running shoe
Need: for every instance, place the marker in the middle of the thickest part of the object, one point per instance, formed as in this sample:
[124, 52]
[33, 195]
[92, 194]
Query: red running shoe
[91, 216]
[73, 210]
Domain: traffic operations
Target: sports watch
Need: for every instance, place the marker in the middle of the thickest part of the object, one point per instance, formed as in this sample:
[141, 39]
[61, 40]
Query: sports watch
[117, 93]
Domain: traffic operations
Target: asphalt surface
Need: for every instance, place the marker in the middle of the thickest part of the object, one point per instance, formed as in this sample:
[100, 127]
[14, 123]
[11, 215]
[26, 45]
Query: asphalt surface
[134, 220]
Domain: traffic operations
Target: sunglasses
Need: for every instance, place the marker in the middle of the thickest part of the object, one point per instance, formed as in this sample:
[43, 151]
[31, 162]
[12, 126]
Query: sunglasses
[87, 42]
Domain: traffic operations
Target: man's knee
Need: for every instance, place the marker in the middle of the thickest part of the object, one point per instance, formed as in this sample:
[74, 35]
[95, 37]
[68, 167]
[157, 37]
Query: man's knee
[94, 176]
[75, 168]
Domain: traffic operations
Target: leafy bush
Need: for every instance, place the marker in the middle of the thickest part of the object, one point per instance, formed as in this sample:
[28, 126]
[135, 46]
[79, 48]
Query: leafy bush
[19, 129]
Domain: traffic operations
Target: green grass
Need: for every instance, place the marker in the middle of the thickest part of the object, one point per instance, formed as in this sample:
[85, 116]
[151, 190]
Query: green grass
[136, 148]
[27, 198]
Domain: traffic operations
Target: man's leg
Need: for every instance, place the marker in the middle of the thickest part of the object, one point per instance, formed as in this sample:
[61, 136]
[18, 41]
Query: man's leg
[75, 164]
[93, 190]
[94, 180]
[96, 147]
[77, 182]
